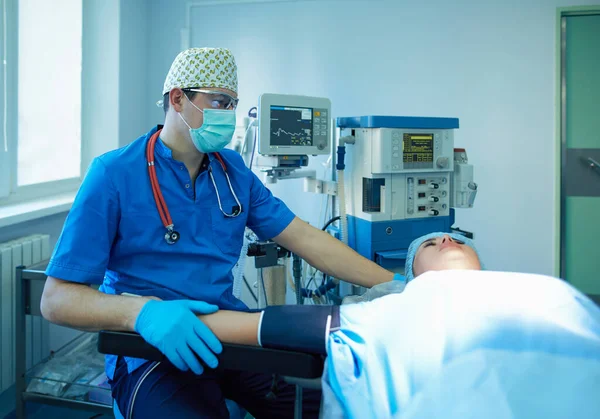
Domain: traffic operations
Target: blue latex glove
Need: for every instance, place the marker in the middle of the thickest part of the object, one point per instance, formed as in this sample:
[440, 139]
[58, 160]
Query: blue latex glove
[398, 277]
[173, 328]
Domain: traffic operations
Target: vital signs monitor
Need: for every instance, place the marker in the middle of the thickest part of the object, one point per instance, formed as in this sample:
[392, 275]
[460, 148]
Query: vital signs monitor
[293, 125]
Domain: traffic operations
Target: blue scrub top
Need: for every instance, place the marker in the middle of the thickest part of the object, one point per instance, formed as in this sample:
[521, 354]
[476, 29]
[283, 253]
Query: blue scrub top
[113, 234]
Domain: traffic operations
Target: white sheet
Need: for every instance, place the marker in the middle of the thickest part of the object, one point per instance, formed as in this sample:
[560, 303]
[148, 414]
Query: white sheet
[390, 352]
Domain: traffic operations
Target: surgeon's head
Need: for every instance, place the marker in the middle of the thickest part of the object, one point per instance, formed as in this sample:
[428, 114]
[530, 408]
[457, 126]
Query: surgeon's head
[441, 251]
[201, 89]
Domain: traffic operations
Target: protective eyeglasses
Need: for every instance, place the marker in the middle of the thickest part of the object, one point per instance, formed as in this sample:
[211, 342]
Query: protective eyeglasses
[218, 100]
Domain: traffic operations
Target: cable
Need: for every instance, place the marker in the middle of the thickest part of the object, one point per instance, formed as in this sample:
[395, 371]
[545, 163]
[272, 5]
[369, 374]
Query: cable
[333, 220]
[244, 148]
[250, 289]
[262, 280]
[253, 149]
[310, 280]
[320, 291]
[252, 115]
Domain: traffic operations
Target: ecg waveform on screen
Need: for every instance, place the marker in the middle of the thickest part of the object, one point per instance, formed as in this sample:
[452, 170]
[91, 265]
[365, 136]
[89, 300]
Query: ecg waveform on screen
[294, 138]
[291, 134]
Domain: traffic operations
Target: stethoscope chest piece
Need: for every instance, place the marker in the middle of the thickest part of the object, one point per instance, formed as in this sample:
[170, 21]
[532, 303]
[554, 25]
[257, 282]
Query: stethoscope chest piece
[171, 236]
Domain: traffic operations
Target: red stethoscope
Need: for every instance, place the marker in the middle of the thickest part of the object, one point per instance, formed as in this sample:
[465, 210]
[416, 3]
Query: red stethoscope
[172, 236]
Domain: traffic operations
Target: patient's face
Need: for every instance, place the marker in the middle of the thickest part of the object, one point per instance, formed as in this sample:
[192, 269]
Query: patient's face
[444, 253]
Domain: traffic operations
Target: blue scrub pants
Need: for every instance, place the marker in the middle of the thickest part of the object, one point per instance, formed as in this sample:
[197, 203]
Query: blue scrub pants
[167, 391]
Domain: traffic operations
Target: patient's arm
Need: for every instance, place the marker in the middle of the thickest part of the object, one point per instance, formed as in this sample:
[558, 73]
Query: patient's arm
[301, 328]
[233, 326]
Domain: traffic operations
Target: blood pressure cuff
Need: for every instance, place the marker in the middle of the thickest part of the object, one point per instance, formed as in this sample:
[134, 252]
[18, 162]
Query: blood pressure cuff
[298, 327]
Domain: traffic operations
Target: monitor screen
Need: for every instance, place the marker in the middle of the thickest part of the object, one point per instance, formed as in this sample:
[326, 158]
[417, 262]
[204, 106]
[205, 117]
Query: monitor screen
[418, 148]
[291, 126]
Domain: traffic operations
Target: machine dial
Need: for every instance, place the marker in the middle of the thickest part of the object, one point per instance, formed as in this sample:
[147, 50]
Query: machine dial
[442, 162]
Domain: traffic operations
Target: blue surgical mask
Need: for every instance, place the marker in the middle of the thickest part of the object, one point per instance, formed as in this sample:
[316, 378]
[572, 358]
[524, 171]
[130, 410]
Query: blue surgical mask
[216, 130]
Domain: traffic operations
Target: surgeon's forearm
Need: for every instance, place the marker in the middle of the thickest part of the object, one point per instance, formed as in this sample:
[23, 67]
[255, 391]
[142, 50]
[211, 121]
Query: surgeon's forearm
[331, 256]
[233, 326]
[81, 307]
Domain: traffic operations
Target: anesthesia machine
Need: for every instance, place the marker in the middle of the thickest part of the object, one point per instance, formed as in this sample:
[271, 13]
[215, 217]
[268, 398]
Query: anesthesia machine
[394, 178]
[404, 180]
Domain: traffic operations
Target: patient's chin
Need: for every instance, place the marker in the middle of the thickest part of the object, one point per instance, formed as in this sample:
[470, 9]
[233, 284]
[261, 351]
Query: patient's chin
[454, 259]
[452, 255]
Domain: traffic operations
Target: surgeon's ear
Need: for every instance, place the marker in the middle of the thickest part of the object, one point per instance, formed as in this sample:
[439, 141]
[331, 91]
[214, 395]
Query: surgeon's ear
[176, 99]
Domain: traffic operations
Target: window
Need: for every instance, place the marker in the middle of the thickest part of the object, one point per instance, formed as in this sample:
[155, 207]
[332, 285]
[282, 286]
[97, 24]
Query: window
[42, 51]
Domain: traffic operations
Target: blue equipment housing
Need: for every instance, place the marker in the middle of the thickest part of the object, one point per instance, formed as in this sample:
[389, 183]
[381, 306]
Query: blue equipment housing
[386, 241]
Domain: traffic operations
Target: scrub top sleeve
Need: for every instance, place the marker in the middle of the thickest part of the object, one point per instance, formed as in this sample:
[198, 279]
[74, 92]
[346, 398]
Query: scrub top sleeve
[268, 216]
[83, 248]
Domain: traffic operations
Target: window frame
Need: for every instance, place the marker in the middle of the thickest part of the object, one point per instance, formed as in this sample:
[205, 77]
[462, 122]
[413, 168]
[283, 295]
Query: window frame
[10, 191]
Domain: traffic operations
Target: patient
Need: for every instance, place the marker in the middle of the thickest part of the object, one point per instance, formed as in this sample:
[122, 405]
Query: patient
[439, 252]
[457, 342]
[432, 252]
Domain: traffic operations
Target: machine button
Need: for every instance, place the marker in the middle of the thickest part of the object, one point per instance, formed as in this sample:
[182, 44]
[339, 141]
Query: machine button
[395, 155]
[434, 185]
[395, 167]
[433, 212]
[323, 132]
[434, 198]
[395, 148]
[395, 142]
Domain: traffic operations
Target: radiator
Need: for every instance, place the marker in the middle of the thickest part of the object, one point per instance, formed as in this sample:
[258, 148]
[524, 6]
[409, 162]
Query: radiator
[24, 251]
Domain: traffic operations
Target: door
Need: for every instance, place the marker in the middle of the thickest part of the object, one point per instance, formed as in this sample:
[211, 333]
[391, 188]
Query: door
[580, 132]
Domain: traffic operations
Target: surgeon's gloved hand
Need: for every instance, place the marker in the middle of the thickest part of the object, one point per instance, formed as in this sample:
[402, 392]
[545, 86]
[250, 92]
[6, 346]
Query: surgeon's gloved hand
[173, 328]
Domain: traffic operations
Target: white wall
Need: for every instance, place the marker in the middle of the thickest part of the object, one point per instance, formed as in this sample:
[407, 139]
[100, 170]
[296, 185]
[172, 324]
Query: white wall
[100, 78]
[133, 86]
[491, 64]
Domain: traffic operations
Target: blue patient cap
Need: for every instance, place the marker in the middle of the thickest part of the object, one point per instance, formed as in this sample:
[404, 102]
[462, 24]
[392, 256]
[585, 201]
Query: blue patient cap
[414, 246]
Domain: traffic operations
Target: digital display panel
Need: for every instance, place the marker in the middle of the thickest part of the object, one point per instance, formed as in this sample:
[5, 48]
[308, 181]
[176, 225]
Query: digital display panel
[291, 126]
[417, 148]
